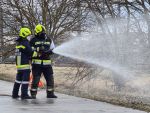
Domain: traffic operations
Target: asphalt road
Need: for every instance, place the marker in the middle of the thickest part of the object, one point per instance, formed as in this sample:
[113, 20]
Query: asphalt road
[63, 104]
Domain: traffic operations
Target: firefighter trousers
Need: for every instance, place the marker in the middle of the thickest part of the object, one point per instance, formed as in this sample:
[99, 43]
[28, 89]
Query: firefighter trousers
[37, 71]
[22, 79]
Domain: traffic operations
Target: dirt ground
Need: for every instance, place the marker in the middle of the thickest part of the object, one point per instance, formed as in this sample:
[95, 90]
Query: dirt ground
[96, 88]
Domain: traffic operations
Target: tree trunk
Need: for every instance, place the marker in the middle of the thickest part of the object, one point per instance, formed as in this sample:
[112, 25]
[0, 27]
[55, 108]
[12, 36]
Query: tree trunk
[1, 33]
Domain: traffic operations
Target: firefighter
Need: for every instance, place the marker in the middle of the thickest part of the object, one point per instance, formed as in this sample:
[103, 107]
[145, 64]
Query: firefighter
[23, 54]
[43, 45]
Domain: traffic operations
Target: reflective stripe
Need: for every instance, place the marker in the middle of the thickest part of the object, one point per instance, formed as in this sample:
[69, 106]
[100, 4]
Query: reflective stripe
[20, 46]
[46, 62]
[17, 81]
[23, 67]
[37, 49]
[34, 54]
[48, 43]
[50, 89]
[18, 60]
[33, 48]
[36, 61]
[36, 43]
[33, 89]
[25, 82]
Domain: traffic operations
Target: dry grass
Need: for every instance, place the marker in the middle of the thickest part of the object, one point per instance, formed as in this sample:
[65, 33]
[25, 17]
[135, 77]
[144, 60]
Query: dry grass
[96, 88]
[7, 72]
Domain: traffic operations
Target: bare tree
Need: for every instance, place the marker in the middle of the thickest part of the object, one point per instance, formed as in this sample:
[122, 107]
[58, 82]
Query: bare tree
[58, 16]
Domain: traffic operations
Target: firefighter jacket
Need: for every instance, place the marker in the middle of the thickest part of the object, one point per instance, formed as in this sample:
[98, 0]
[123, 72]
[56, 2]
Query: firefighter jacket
[43, 46]
[23, 53]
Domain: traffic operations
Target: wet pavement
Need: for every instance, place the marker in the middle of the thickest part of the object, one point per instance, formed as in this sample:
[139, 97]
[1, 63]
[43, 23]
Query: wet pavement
[63, 104]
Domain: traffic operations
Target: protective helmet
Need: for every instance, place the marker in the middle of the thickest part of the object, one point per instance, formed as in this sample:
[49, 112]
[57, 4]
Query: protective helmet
[39, 28]
[24, 32]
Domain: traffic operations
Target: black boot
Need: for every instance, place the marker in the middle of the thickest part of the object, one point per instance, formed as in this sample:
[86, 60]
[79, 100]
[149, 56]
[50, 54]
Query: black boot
[15, 96]
[15, 90]
[33, 94]
[25, 97]
[24, 92]
[50, 94]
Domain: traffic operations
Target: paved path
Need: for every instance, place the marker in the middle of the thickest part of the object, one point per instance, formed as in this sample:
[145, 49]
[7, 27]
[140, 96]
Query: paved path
[63, 104]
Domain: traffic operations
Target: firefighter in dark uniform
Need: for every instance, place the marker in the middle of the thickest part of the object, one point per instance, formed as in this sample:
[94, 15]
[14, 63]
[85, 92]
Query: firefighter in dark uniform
[43, 45]
[23, 54]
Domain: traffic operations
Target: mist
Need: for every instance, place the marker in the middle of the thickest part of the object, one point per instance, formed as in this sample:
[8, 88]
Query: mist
[123, 51]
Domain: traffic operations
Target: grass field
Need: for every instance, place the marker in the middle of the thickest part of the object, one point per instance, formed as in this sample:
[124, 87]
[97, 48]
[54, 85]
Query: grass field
[95, 88]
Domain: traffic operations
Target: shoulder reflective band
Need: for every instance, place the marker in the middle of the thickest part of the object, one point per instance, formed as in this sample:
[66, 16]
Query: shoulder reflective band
[36, 61]
[47, 62]
[36, 43]
[20, 47]
[23, 67]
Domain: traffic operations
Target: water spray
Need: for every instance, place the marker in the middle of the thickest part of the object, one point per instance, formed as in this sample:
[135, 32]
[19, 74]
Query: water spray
[118, 49]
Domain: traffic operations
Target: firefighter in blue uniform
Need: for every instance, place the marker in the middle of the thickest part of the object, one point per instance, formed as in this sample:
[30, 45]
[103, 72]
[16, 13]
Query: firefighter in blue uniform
[23, 54]
[43, 45]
